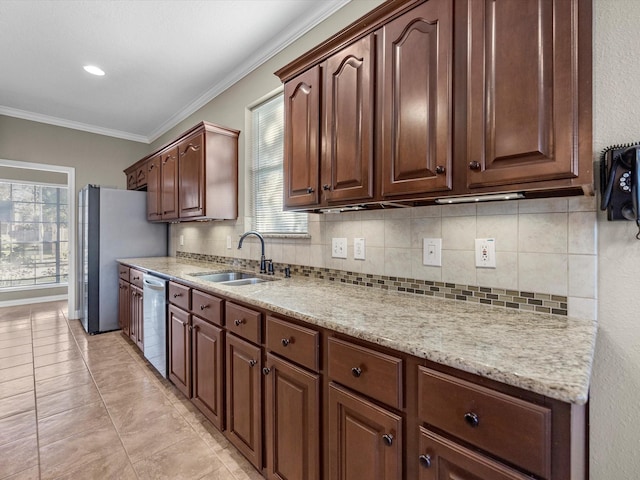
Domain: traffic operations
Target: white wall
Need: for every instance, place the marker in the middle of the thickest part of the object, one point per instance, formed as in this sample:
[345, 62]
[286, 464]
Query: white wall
[615, 436]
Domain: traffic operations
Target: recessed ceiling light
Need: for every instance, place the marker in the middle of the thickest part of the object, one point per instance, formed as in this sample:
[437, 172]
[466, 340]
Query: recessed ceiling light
[93, 70]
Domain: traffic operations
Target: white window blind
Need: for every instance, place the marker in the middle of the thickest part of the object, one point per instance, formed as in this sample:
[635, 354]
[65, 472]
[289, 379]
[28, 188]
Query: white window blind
[266, 172]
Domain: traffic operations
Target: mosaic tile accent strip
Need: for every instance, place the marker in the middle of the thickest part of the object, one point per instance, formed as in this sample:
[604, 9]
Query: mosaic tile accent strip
[499, 297]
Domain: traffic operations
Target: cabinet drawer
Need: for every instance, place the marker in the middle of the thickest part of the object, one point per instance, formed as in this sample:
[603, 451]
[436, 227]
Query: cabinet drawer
[442, 458]
[298, 344]
[123, 272]
[135, 277]
[207, 306]
[367, 371]
[179, 295]
[511, 428]
[244, 322]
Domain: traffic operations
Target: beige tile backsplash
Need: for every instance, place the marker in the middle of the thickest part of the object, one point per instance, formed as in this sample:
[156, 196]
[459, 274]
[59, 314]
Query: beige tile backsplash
[545, 246]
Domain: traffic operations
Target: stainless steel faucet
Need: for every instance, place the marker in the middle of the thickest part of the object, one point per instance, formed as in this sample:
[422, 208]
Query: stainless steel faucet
[263, 260]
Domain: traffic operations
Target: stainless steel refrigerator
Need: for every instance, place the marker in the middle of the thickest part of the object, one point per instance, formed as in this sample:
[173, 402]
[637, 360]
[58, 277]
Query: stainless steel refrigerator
[112, 224]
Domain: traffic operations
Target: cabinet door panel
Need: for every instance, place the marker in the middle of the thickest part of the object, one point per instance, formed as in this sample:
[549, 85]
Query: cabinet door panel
[415, 92]
[207, 358]
[154, 189]
[134, 313]
[191, 171]
[139, 309]
[348, 116]
[292, 421]
[244, 398]
[522, 95]
[179, 350]
[443, 459]
[356, 436]
[124, 306]
[169, 173]
[302, 139]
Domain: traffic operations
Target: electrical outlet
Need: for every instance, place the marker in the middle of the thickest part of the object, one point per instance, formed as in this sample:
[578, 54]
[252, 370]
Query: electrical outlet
[486, 252]
[181, 240]
[432, 252]
[339, 247]
[358, 248]
[228, 242]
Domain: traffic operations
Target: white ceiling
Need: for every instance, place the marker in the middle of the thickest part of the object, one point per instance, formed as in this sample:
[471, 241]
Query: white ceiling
[163, 59]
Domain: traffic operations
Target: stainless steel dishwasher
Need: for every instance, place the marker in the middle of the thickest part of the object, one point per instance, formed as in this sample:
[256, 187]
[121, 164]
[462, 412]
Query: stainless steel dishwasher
[154, 325]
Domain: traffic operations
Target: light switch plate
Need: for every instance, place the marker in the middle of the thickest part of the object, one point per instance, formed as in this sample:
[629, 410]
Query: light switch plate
[181, 240]
[358, 249]
[432, 252]
[228, 242]
[486, 252]
[339, 247]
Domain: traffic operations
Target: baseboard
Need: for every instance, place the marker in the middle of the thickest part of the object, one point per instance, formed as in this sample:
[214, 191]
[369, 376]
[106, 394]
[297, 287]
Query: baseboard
[28, 301]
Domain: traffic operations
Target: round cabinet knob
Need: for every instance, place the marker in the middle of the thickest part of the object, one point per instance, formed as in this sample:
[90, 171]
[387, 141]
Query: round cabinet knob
[266, 370]
[285, 342]
[238, 322]
[425, 461]
[202, 307]
[356, 371]
[474, 165]
[326, 187]
[471, 419]
[176, 295]
[252, 363]
[310, 190]
[387, 438]
[440, 169]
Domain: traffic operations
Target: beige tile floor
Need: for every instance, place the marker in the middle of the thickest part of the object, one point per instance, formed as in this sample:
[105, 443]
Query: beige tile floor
[78, 406]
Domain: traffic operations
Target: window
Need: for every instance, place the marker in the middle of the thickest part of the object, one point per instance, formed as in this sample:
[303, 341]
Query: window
[267, 144]
[34, 234]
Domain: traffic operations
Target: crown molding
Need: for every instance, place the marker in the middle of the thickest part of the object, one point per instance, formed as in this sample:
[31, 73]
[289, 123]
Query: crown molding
[269, 50]
[61, 122]
[286, 38]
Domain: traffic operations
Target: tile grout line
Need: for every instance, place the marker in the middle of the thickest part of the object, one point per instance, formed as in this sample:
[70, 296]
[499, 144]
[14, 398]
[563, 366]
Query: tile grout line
[73, 334]
[35, 395]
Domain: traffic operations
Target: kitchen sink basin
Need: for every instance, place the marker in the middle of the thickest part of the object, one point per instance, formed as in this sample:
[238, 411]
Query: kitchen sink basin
[231, 278]
[223, 276]
[245, 281]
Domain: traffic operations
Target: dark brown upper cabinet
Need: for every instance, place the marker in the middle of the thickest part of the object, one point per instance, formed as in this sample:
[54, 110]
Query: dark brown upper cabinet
[348, 107]
[137, 175]
[169, 184]
[302, 140]
[195, 177]
[523, 104]
[416, 100]
[154, 188]
[467, 97]
[329, 150]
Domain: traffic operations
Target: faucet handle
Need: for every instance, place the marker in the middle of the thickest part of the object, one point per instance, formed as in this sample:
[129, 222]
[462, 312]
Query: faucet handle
[270, 270]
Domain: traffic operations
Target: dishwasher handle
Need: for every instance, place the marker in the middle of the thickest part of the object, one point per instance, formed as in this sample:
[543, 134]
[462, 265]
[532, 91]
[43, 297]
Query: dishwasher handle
[153, 284]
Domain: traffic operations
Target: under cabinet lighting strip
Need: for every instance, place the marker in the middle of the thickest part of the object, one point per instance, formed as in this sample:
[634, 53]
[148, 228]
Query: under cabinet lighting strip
[480, 198]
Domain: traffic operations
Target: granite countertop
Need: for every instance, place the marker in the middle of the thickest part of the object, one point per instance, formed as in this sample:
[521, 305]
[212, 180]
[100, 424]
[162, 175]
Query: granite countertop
[547, 354]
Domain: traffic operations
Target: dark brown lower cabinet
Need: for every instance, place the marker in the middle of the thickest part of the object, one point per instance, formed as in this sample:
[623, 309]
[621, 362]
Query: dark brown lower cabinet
[244, 398]
[442, 459]
[207, 372]
[292, 430]
[136, 317]
[124, 306]
[365, 440]
[179, 349]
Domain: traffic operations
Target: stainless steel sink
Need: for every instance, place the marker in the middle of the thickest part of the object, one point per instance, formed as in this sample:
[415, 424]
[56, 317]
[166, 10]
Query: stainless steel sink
[222, 276]
[245, 281]
[231, 278]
